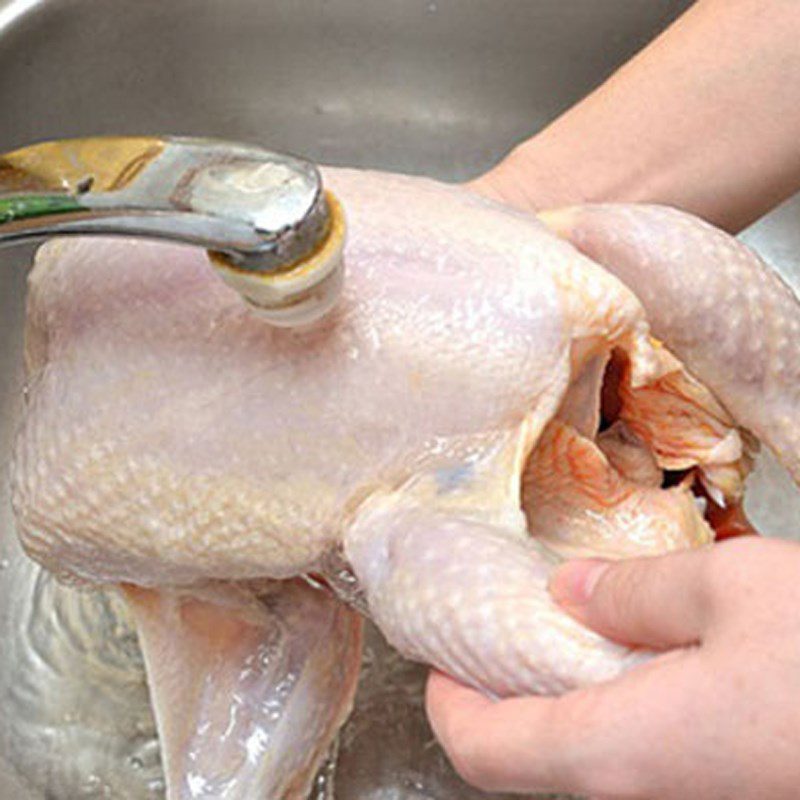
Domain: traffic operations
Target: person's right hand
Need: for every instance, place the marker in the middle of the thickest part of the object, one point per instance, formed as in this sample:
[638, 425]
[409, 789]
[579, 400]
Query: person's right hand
[716, 718]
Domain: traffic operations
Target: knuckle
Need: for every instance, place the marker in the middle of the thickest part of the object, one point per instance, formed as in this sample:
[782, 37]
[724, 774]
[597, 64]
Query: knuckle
[624, 590]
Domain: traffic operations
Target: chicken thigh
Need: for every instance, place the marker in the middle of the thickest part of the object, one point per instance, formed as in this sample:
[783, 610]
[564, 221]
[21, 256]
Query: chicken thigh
[429, 450]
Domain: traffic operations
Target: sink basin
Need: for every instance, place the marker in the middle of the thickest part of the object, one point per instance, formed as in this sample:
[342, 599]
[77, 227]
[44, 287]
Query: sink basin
[440, 87]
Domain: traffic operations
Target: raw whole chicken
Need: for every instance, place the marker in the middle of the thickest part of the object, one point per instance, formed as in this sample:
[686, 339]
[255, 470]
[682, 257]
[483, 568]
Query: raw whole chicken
[485, 401]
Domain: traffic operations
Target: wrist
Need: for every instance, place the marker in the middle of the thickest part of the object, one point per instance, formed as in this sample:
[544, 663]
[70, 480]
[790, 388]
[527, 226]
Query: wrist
[525, 179]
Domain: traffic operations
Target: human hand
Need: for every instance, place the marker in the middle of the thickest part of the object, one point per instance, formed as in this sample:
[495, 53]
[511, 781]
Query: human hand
[715, 717]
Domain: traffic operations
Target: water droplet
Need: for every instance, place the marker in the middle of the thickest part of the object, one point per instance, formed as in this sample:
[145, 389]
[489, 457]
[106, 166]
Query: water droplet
[136, 762]
[93, 787]
[432, 7]
[4, 563]
[323, 788]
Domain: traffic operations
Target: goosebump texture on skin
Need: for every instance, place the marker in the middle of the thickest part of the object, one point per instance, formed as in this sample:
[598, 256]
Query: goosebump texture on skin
[436, 439]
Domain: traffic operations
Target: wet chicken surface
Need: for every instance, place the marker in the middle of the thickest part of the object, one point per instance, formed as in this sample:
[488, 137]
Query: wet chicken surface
[439, 435]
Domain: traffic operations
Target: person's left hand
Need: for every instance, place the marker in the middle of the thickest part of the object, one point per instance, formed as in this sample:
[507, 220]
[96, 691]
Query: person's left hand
[716, 717]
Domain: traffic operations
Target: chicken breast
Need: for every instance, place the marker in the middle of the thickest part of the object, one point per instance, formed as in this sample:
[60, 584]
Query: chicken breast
[429, 450]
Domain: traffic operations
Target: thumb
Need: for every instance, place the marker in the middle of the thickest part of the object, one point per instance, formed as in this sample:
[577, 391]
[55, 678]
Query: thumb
[658, 602]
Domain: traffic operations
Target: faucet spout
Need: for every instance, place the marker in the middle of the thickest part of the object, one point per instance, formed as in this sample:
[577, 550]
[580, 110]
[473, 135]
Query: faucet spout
[272, 231]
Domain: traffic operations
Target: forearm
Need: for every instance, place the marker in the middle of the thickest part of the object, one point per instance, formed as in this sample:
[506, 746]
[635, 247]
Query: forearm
[706, 118]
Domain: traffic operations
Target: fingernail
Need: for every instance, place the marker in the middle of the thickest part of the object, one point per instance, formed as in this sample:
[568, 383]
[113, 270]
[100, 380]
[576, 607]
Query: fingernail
[572, 583]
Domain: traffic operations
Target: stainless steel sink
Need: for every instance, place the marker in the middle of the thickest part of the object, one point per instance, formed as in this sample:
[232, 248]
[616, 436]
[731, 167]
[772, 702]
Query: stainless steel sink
[441, 87]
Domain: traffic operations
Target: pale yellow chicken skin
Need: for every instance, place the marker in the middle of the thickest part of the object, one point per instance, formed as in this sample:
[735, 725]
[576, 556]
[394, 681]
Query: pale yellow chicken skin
[430, 449]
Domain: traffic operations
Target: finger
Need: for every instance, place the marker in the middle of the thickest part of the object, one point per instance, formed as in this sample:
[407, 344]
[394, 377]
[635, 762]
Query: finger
[656, 602]
[616, 739]
[484, 744]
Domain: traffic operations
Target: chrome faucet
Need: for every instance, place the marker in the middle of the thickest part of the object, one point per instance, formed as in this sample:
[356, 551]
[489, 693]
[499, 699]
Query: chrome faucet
[272, 232]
